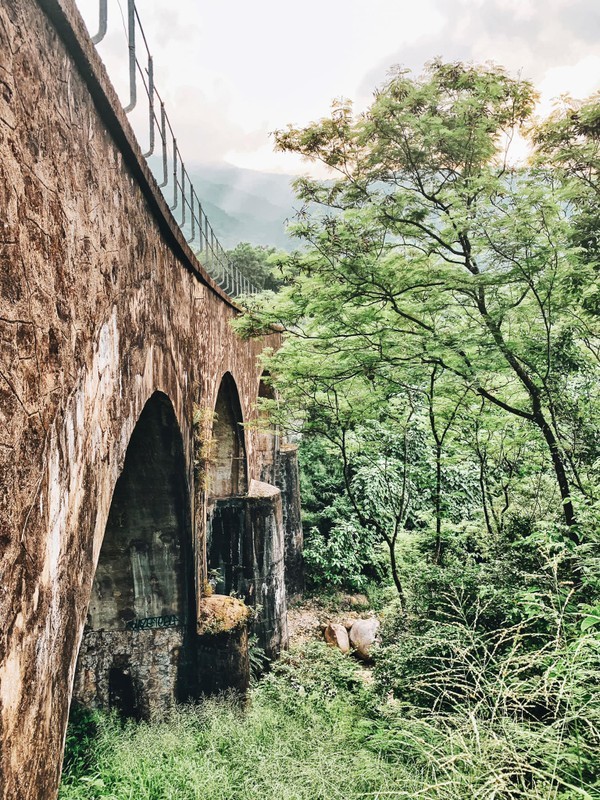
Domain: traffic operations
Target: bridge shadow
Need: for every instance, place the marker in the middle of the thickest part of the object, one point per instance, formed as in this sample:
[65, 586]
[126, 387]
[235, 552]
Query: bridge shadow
[137, 652]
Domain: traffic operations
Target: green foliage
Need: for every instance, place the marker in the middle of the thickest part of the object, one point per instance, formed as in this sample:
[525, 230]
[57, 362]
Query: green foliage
[441, 363]
[437, 274]
[303, 736]
[257, 263]
[488, 716]
[349, 557]
[259, 660]
[338, 551]
[82, 733]
[511, 711]
[442, 338]
[315, 671]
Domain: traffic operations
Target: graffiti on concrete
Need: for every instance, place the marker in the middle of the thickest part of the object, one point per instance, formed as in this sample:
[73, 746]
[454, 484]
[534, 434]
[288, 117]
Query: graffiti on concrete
[168, 621]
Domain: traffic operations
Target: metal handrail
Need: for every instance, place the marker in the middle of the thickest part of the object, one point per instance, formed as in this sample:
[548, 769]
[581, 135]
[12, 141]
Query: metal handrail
[185, 200]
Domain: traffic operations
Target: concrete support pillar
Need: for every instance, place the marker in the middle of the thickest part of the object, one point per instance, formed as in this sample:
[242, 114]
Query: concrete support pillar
[222, 645]
[266, 532]
[288, 481]
[245, 548]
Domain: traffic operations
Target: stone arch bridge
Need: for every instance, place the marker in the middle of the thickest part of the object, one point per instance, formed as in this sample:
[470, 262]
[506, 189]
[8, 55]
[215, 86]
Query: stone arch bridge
[129, 488]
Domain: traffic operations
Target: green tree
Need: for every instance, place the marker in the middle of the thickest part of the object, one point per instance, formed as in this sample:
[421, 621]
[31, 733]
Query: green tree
[431, 252]
[569, 144]
[257, 263]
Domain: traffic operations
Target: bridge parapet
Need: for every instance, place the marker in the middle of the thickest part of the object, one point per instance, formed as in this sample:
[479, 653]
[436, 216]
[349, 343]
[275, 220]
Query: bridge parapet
[174, 177]
[178, 200]
[175, 181]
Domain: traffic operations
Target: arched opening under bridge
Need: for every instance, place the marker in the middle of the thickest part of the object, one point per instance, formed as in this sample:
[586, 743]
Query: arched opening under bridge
[137, 652]
[228, 473]
[228, 551]
[267, 436]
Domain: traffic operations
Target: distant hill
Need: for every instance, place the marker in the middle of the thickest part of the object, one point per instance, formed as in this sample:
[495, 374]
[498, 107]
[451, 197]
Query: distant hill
[244, 205]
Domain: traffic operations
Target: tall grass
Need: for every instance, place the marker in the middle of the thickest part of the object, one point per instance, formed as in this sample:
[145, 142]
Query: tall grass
[512, 730]
[506, 713]
[300, 738]
[461, 709]
[498, 727]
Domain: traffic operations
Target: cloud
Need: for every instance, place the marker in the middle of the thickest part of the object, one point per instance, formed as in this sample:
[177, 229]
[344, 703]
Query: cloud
[517, 34]
[233, 71]
[580, 80]
[583, 19]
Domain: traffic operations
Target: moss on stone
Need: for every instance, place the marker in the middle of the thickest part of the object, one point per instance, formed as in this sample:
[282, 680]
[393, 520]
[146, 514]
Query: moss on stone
[221, 614]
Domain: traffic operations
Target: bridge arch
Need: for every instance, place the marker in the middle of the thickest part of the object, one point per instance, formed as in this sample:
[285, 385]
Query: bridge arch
[141, 614]
[265, 386]
[228, 468]
[227, 483]
[267, 434]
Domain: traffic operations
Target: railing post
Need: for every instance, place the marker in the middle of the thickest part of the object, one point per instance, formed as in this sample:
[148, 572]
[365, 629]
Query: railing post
[182, 195]
[150, 104]
[200, 212]
[193, 236]
[131, 37]
[103, 22]
[163, 134]
[175, 186]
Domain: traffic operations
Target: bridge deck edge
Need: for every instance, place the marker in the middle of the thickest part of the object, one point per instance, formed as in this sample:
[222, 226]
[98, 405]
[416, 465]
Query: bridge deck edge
[70, 27]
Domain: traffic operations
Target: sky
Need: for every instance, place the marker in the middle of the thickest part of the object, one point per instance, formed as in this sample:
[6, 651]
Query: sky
[231, 71]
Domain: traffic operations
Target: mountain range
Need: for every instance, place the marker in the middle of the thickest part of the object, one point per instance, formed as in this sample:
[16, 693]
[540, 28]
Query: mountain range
[245, 205]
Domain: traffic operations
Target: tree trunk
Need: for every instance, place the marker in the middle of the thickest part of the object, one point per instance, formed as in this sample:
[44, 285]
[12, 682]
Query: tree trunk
[438, 504]
[560, 472]
[391, 543]
[536, 416]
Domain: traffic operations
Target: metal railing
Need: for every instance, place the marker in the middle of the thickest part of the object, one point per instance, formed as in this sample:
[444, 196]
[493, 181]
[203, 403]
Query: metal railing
[183, 199]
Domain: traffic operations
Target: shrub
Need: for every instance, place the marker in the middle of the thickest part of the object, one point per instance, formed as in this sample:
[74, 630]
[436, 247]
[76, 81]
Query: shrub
[506, 712]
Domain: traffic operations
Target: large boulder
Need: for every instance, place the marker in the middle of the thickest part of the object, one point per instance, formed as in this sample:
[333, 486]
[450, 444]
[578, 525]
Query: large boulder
[337, 636]
[362, 636]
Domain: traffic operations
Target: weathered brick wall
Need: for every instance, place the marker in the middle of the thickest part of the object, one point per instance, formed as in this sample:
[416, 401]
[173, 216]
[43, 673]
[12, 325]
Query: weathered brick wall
[100, 306]
[154, 659]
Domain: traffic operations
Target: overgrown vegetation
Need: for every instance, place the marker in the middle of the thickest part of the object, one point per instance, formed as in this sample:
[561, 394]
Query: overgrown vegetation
[257, 263]
[304, 735]
[457, 712]
[441, 363]
[438, 342]
[441, 357]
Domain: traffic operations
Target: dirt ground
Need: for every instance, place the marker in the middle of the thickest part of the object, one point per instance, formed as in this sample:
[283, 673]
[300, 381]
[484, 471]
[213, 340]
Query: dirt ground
[308, 617]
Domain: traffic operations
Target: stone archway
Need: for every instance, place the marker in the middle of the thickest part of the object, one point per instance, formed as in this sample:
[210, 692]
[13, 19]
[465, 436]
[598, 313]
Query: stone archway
[227, 545]
[228, 472]
[267, 435]
[137, 652]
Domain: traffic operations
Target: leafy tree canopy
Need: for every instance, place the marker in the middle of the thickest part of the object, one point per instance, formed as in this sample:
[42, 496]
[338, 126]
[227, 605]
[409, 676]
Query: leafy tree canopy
[441, 277]
[257, 263]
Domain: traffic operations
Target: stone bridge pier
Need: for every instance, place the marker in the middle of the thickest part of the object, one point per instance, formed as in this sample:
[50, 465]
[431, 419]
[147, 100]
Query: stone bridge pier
[131, 485]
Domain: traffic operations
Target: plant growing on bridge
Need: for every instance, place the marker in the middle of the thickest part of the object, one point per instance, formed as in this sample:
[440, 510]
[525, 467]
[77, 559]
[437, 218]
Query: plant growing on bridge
[202, 425]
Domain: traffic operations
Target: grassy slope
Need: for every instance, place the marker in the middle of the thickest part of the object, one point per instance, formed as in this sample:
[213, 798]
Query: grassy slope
[313, 731]
[304, 736]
